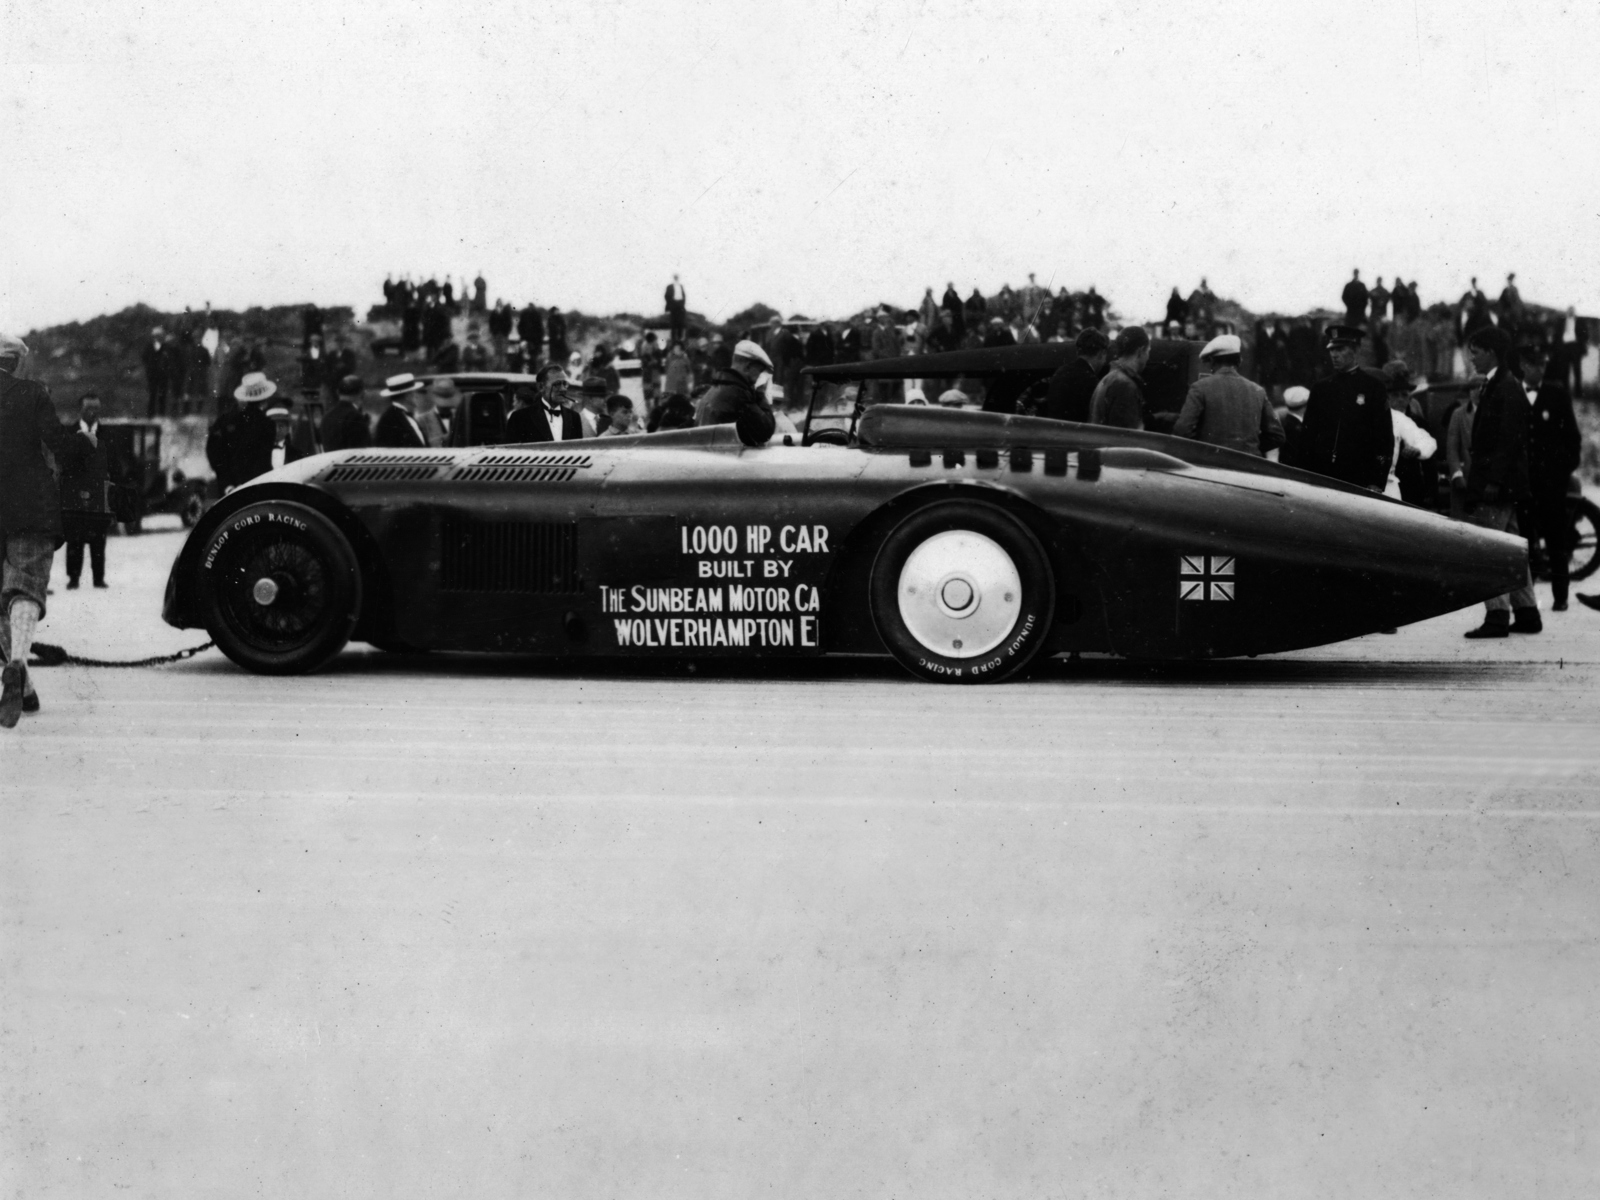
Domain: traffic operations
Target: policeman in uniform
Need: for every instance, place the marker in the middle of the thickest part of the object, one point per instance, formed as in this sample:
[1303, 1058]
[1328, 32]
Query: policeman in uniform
[1348, 434]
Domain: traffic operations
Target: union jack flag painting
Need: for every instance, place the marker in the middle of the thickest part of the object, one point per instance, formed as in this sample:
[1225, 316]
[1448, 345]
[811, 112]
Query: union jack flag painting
[1206, 577]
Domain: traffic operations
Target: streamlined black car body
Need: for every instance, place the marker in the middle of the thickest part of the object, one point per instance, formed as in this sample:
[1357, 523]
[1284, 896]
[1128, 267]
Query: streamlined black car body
[962, 543]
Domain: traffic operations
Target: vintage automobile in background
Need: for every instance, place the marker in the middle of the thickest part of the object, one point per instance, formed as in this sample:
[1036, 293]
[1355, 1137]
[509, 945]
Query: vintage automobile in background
[964, 544]
[140, 485]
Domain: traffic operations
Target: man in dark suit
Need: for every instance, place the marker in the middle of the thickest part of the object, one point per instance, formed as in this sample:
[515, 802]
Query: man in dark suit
[955, 313]
[154, 357]
[555, 331]
[547, 418]
[345, 425]
[1348, 432]
[1497, 470]
[677, 301]
[84, 515]
[1355, 300]
[530, 328]
[30, 520]
[1554, 450]
[397, 428]
[254, 435]
[1072, 387]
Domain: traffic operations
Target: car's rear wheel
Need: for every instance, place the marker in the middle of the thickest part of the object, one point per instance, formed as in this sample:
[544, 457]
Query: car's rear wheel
[962, 592]
[280, 588]
[193, 508]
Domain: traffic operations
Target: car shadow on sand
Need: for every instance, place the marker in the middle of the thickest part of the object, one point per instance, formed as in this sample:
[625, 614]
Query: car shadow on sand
[364, 662]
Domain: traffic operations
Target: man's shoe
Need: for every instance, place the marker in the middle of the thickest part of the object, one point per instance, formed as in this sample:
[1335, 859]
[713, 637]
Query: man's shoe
[1589, 601]
[13, 682]
[30, 702]
[100, 583]
[72, 585]
[1527, 621]
[1559, 605]
[1491, 628]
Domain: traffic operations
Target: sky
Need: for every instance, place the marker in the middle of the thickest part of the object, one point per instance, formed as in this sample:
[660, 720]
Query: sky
[816, 156]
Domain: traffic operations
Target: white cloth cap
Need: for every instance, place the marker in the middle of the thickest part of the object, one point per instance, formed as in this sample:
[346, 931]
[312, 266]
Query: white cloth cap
[749, 350]
[1296, 397]
[1223, 343]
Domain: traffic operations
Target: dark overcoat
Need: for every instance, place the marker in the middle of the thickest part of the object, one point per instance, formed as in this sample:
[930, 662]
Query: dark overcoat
[30, 501]
[1499, 453]
[1348, 433]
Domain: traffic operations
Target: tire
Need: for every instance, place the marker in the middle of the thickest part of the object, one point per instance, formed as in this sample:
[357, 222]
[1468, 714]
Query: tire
[1585, 544]
[193, 507]
[279, 589]
[962, 592]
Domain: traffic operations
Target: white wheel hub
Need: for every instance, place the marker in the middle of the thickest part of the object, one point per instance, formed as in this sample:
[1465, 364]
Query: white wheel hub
[265, 591]
[960, 594]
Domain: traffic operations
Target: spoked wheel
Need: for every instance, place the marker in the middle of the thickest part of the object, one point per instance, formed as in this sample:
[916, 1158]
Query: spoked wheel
[280, 588]
[194, 506]
[962, 592]
[1585, 533]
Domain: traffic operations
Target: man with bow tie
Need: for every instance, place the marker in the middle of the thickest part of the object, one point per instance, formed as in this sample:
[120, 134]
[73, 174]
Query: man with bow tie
[546, 417]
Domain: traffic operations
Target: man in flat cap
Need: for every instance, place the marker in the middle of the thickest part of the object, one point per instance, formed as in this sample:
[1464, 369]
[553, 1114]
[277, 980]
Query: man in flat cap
[345, 425]
[733, 396]
[30, 520]
[1348, 434]
[1072, 387]
[1119, 398]
[1226, 409]
[397, 428]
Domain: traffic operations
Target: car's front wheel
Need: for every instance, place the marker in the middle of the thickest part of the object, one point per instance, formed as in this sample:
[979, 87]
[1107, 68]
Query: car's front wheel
[280, 588]
[962, 592]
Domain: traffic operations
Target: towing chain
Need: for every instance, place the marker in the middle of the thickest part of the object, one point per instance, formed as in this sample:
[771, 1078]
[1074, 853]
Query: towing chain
[46, 655]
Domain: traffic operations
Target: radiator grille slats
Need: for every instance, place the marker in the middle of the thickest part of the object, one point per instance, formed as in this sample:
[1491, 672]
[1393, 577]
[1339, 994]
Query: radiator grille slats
[380, 473]
[525, 557]
[481, 473]
[534, 459]
[408, 459]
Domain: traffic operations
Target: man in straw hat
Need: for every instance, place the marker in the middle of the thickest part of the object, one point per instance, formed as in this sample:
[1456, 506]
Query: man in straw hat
[30, 520]
[397, 428]
[1226, 409]
[733, 396]
[239, 446]
[284, 449]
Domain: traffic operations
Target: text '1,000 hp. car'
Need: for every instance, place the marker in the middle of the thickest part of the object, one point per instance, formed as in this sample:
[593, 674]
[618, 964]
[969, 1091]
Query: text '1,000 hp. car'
[965, 544]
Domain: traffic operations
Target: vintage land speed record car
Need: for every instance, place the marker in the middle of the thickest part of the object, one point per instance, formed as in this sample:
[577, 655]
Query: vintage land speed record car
[964, 544]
